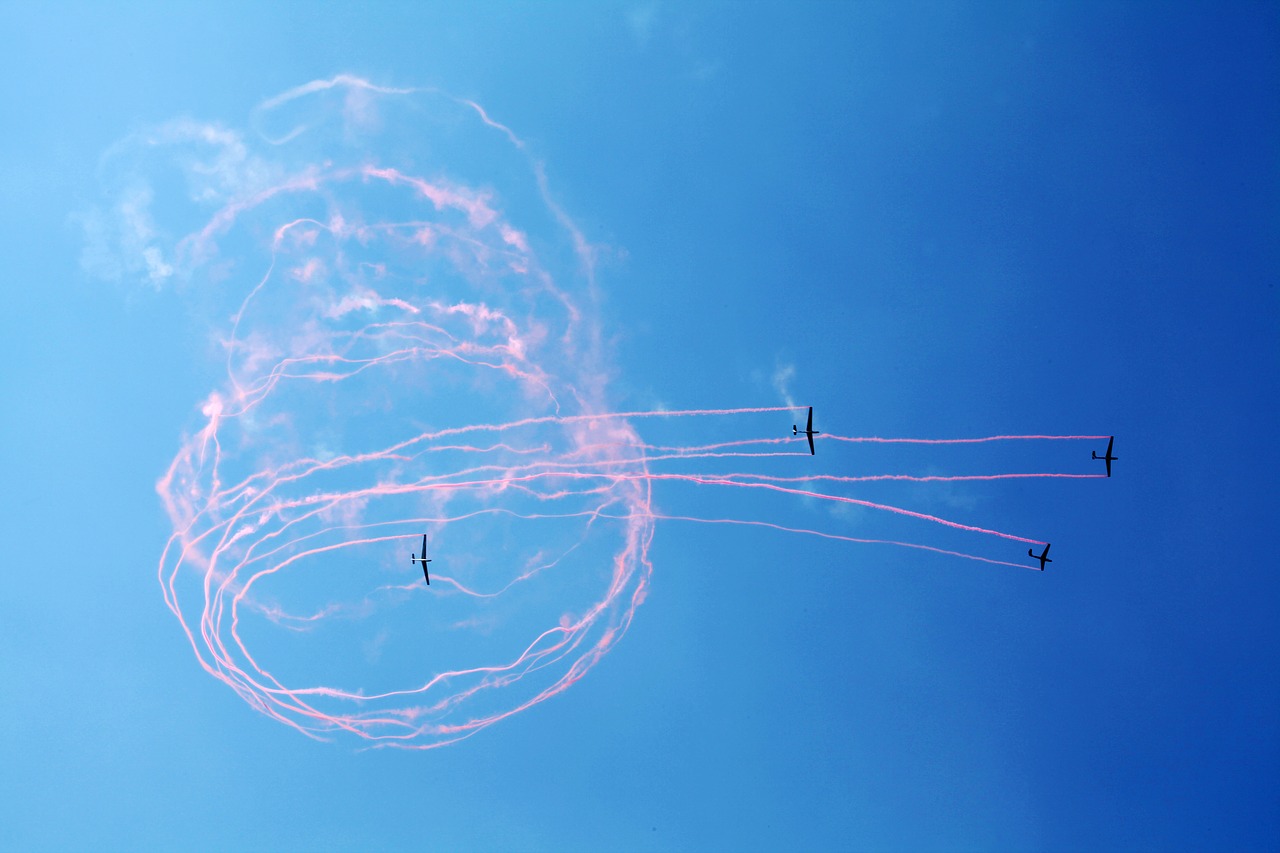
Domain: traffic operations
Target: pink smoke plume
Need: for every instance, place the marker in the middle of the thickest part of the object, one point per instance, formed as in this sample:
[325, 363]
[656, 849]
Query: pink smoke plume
[411, 347]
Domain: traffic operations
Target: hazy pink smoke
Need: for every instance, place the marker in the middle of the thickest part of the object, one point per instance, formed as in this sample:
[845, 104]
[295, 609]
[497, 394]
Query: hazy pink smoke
[407, 324]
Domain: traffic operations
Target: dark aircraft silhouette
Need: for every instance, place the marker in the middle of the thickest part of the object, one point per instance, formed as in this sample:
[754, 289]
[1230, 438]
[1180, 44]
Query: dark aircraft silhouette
[809, 431]
[1043, 558]
[1108, 458]
[423, 559]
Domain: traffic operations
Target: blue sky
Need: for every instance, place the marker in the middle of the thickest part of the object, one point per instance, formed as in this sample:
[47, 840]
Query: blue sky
[937, 221]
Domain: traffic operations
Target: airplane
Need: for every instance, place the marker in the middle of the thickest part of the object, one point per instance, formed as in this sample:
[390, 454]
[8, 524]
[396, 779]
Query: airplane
[1043, 558]
[422, 559]
[1108, 458]
[809, 431]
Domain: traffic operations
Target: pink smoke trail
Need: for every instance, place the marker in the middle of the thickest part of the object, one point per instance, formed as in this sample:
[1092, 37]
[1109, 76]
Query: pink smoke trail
[838, 537]
[877, 440]
[406, 354]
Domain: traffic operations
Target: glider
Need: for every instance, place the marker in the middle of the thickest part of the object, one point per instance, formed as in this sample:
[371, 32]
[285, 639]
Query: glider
[423, 559]
[1108, 458]
[1043, 558]
[809, 431]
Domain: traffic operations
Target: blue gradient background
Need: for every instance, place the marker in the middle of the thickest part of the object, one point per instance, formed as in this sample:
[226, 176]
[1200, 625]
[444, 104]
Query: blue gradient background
[952, 220]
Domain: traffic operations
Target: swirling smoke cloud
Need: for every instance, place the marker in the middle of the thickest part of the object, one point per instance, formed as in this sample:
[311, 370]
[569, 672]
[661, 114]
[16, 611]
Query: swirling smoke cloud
[407, 341]
[407, 323]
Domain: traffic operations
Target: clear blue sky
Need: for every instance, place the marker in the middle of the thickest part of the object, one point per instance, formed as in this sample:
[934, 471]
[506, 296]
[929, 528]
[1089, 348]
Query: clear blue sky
[950, 220]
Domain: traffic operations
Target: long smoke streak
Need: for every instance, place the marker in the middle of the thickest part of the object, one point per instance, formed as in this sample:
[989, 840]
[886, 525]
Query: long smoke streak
[410, 346]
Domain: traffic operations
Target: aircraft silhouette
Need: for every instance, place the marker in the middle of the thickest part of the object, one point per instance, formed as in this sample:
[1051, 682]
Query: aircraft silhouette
[1043, 558]
[809, 431]
[1108, 458]
[422, 559]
